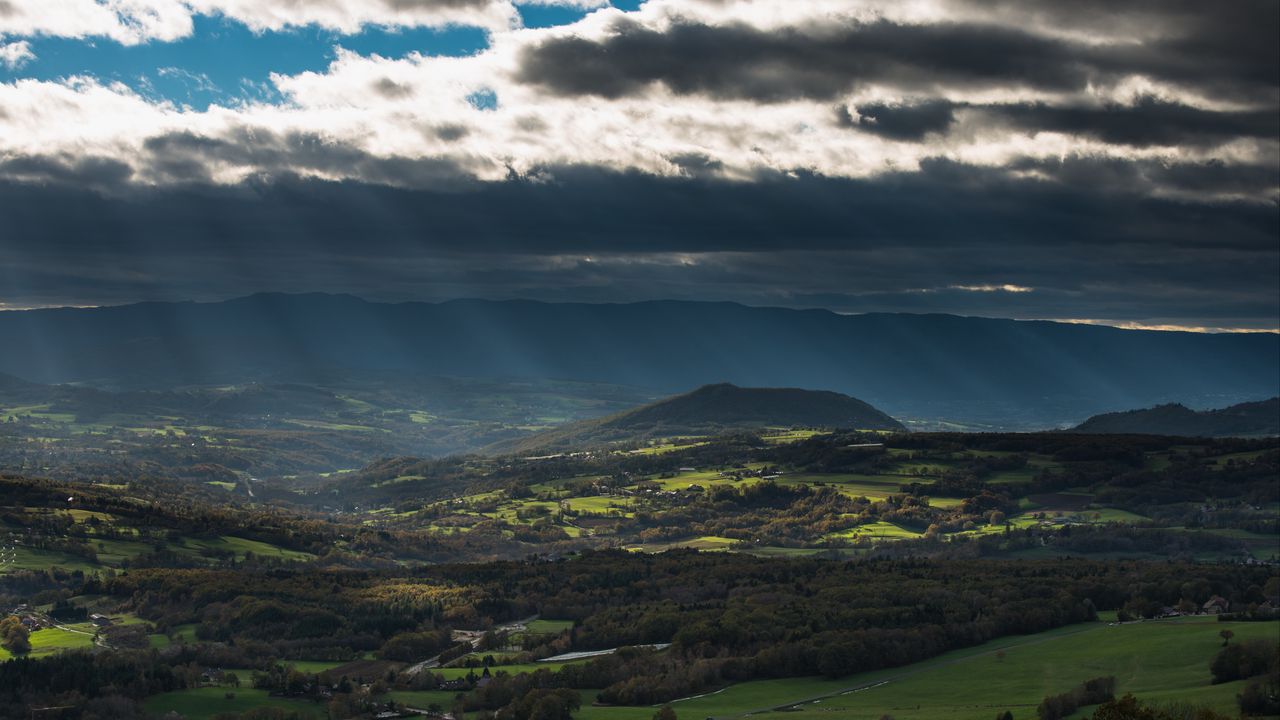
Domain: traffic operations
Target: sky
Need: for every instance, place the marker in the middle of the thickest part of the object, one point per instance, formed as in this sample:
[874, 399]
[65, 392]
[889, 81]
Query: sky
[1113, 161]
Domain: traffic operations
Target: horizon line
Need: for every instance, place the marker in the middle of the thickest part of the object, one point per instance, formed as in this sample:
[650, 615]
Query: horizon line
[1097, 322]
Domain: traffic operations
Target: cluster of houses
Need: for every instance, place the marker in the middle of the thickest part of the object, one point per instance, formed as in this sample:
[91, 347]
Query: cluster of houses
[464, 684]
[1215, 605]
[764, 473]
[1218, 605]
[34, 620]
[30, 619]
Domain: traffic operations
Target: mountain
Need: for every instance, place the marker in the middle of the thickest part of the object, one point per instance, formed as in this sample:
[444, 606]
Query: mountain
[1245, 419]
[985, 372]
[9, 383]
[712, 409]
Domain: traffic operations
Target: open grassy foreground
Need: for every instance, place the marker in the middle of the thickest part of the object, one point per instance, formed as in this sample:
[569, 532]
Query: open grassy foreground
[424, 699]
[205, 703]
[1154, 660]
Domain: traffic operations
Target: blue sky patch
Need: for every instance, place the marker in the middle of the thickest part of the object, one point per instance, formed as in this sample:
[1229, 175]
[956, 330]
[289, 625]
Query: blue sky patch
[483, 99]
[538, 16]
[223, 62]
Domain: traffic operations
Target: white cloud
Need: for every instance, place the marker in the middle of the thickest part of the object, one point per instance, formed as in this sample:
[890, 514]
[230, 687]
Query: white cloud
[990, 288]
[128, 22]
[415, 109]
[1162, 326]
[16, 54]
[131, 22]
[349, 16]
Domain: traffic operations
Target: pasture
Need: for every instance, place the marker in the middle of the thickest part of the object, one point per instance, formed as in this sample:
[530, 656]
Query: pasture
[423, 699]
[113, 552]
[1155, 660]
[241, 546]
[548, 627]
[53, 640]
[207, 702]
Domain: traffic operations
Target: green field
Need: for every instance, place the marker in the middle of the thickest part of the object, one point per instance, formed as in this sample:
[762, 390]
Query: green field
[1262, 547]
[453, 673]
[1164, 660]
[240, 546]
[879, 530]
[24, 558]
[599, 505]
[184, 633]
[314, 666]
[204, 703]
[53, 640]
[548, 627]
[423, 699]
[774, 551]
[706, 543]
[701, 478]
[1155, 660]
[666, 447]
[112, 552]
[552, 496]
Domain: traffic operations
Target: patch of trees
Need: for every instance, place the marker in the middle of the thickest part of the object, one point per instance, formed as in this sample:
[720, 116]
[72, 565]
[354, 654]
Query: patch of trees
[542, 704]
[1090, 692]
[416, 646]
[14, 636]
[64, 611]
[1261, 695]
[1243, 660]
[1130, 708]
[730, 617]
[84, 675]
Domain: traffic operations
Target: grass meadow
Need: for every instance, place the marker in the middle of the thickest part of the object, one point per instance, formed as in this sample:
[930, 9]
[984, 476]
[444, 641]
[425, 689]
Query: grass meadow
[1155, 660]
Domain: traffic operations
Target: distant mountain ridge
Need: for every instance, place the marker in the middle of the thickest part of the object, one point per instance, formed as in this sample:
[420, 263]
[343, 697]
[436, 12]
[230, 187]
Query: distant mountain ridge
[1245, 419]
[710, 410]
[986, 372]
[10, 383]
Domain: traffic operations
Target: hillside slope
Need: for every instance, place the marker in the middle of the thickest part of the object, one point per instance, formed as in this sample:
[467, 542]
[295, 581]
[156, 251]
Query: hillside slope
[996, 373]
[1245, 419]
[710, 410]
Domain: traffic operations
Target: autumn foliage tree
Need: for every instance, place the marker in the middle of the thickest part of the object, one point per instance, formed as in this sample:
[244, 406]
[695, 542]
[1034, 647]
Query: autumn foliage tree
[14, 636]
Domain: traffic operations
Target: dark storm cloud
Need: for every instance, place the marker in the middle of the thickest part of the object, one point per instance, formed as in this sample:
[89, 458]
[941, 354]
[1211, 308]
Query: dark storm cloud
[900, 121]
[392, 90]
[451, 132]
[1081, 200]
[1220, 50]
[1121, 177]
[742, 62]
[185, 157]
[96, 173]
[1080, 235]
[1147, 122]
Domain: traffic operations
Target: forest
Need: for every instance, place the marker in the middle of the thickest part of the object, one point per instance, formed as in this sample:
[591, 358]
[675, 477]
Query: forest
[621, 580]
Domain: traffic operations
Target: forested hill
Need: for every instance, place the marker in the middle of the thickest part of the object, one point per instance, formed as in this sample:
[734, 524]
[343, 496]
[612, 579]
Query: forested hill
[977, 370]
[11, 383]
[1245, 419]
[710, 410]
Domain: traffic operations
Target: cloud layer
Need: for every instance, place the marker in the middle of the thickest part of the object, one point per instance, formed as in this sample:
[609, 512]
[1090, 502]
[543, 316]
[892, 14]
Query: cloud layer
[1125, 155]
[139, 21]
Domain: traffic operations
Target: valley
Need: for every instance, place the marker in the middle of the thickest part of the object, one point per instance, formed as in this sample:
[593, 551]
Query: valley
[639, 360]
[399, 546]
[464, 583]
